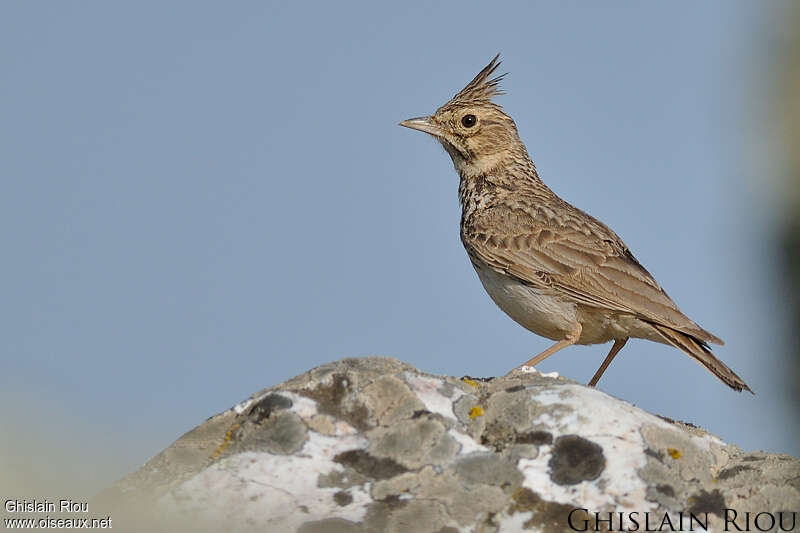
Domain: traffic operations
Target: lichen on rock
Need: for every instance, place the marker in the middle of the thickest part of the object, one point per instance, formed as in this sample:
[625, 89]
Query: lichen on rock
[374, 445]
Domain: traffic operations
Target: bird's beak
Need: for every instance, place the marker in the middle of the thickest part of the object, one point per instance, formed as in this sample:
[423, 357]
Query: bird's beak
[423, 124]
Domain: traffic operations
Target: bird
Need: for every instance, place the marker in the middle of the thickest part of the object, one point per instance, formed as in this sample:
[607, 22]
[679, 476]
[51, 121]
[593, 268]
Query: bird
[554, 269]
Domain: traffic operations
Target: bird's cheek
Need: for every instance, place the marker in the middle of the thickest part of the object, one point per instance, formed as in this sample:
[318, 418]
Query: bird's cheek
[451, 150]
[455, 148]
[471, 147]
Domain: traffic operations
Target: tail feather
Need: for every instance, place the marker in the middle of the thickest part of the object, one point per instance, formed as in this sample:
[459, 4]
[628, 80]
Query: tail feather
[700, 352]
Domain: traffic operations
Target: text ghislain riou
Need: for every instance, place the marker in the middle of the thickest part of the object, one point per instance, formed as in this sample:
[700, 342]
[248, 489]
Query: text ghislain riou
[45, 506]
[582, 520]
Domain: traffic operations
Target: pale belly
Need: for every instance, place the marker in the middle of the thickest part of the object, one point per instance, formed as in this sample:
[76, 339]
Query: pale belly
[546, 314]
[535, 310]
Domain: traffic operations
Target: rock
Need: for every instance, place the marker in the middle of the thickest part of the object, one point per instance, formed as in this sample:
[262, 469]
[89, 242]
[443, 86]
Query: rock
[375, 445]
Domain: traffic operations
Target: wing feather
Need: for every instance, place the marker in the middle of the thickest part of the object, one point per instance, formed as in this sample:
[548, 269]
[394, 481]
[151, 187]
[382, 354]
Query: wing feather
[585, 262]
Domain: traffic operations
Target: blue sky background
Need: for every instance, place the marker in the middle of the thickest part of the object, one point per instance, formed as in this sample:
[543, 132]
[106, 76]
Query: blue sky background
[199, 200]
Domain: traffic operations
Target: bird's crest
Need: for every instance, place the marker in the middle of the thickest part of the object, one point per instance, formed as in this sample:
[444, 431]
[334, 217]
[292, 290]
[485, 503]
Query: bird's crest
[481, 89]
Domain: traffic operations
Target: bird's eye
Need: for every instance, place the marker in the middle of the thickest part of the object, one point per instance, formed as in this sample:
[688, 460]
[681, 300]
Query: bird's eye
[468, 121]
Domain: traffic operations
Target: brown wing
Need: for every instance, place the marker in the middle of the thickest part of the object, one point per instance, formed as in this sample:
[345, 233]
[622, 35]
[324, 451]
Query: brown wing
[575, 255]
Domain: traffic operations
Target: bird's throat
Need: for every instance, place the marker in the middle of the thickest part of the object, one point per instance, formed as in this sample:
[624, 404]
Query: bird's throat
[480, 166]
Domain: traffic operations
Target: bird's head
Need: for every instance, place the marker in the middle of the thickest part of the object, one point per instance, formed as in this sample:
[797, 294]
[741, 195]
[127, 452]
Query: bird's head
[475, 131]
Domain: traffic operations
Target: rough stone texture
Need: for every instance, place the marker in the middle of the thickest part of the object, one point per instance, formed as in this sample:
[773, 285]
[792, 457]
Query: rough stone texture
[374, 445]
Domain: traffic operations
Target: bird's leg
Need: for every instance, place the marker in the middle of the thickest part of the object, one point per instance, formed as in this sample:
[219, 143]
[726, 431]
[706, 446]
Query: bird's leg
[618, 344]
[569, 340]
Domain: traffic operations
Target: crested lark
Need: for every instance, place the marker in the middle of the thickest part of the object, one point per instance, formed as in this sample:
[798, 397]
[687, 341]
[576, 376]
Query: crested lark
[554, 269]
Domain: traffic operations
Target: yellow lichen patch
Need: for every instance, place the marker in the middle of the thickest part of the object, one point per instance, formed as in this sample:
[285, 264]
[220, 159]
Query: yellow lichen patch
[674, 453]
[226, 440]
[470, 382]
[475, 412]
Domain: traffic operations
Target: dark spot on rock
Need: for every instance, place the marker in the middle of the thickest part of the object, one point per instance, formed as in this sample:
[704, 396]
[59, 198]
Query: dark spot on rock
[282, 433]
[666, 419]
[343, 498]
[654, 454]
[303, 509]
[547, 516]
[552, 517]
[516, 388]
[707, 502]
[484, 380]
[535, 437]
[332, 399]
[676, 422]
[498, 436]
[666, 490]
[370, 466]
[394, 501]
[420, 412]
[524, 500]
[331, 525]
[750, 458]
[264, 407]
[733, 471]
[575, 459]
